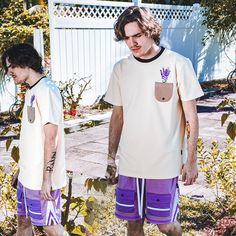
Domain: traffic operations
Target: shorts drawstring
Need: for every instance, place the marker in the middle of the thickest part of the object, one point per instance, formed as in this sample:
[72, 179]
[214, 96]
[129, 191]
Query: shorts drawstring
[140, 196]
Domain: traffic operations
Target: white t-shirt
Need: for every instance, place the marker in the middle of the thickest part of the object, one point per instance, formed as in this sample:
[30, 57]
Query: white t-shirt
[44, 102]
[153, 143]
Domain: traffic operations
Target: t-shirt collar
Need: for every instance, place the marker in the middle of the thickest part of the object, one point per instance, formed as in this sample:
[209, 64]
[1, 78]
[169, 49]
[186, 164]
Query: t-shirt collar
[30, 87]
[150, 59]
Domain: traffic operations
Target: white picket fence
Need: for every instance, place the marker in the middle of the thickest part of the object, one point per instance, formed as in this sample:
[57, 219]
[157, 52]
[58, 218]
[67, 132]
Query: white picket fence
[82, 41]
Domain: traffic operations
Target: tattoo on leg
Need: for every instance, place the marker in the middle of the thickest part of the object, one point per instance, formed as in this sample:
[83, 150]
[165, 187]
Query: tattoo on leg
[188, 129]
[51, 163]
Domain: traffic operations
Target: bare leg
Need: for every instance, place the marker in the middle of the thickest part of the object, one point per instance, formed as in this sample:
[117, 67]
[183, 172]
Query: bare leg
[135, 228]
[171, 229]
[24, 227]
[55, 230]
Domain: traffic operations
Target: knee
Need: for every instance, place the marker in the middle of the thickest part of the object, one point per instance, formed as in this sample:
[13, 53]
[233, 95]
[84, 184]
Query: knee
[135, 227]
[23, 222]
[171, 229]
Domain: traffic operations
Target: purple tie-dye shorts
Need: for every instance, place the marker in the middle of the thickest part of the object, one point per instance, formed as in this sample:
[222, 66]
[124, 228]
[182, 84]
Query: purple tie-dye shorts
[41, 212]
[153, 199]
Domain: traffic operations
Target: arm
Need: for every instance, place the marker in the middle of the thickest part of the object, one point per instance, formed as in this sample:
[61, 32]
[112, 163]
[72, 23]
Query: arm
[115, 128]
[190, 171]
[50, 131]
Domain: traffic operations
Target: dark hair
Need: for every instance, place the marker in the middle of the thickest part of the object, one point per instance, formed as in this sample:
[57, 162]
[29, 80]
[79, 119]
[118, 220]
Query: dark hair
[23, 55]
[145, 20]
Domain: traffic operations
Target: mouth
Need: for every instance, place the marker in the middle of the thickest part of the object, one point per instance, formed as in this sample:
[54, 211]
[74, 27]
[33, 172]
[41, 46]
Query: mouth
[135, 49]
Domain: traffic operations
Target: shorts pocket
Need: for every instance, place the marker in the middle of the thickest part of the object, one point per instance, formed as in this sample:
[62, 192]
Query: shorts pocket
[34, 209]
[158, 204]
[163, 91]
[125, 200]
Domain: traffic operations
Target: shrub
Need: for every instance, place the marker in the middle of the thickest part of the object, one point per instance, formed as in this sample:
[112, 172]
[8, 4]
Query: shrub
[219, 168]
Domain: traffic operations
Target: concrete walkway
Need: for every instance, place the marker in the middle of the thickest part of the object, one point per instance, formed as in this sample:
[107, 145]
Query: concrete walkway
[86, 150]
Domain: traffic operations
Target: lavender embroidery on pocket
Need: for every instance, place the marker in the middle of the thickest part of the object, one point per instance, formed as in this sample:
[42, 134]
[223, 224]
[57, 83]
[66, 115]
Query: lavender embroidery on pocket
[165, 74]
[32, 100]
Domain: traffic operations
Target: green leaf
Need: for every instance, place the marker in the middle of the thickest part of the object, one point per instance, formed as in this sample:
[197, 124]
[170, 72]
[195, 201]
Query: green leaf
[6, 130]
[103, 186]
[15, 154]
[231, 130]
[8, 143]
[89, 219]
[96, 185]
[67, 130]
[224, 117]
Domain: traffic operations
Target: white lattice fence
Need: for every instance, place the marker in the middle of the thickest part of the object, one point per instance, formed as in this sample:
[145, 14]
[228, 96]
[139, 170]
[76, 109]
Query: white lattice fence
[82, 38]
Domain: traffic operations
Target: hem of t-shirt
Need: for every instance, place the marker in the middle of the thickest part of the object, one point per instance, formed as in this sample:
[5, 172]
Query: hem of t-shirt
[51, 122]
[112, 103]
[38, 188]
[185, 99]
[144, 176]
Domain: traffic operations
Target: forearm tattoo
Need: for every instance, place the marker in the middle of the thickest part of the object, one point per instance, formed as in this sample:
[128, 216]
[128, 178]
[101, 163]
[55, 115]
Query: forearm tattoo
[187, 129]
[50, 164]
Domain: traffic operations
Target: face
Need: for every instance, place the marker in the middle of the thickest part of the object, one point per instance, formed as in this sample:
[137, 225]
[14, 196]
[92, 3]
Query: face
[138, 42]
[18, 74]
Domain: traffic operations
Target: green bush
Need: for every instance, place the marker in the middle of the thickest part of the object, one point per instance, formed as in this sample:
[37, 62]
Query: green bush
[219, 168]
[17, 25]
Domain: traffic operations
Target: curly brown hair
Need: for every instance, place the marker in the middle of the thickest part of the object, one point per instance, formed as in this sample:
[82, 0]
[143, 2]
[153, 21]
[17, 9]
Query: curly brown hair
[145, 20]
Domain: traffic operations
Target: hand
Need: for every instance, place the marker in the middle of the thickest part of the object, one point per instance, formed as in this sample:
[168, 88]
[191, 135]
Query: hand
[189, 172]
[111, 172]
[46, 190]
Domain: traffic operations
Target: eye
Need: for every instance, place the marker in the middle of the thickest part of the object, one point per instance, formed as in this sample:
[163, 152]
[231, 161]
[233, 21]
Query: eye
[138, 35]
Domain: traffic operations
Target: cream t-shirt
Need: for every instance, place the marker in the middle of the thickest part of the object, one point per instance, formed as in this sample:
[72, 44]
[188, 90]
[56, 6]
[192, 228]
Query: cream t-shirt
[152, 143]
[43, 104]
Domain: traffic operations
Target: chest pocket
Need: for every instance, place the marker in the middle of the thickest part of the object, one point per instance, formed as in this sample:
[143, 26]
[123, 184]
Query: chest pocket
[163, 91]
[31, 114]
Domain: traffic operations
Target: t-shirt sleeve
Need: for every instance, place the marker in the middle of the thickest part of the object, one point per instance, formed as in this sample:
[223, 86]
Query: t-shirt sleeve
[49, 103]
[113, 93]
[188, 84]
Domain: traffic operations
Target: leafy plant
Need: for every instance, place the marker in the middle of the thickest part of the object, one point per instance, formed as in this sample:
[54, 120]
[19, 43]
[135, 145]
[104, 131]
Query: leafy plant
[17, 24]
[72, 91]
[99, 184]
[75, 207]
[7, 199]
[219, 168]
[220, 20]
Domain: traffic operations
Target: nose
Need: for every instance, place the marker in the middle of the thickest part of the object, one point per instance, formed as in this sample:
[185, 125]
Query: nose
[132, 42]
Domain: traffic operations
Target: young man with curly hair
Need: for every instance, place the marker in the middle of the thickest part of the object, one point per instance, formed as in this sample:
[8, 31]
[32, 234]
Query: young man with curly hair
[42, 156]
[154, 124]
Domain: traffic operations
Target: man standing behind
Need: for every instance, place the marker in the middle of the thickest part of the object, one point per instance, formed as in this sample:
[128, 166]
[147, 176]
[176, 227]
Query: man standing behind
[42, 155]
[154, 122]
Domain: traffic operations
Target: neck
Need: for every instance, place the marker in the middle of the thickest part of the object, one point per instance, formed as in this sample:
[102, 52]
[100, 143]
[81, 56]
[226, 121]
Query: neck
[152, 52]
[33, 78]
